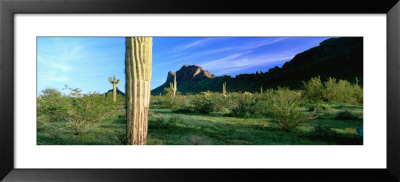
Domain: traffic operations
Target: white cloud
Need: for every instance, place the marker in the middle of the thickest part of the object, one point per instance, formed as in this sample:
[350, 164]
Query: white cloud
[192, 44]
[222, 62]
[183, 56]
[242, 61]
[260, 43]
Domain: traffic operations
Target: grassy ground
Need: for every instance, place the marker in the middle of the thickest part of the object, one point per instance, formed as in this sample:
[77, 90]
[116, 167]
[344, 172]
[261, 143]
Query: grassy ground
[336, 124]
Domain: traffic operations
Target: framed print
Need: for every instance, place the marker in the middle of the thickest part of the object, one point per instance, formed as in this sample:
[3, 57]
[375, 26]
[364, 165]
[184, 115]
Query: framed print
[199, 90]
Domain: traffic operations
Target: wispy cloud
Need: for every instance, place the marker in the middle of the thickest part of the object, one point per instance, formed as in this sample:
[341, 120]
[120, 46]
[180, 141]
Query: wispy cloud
[243, 61]
[192, 44]
[53, 77]
[55, 65]
[222, 61]
[183, 56]
[260, 43]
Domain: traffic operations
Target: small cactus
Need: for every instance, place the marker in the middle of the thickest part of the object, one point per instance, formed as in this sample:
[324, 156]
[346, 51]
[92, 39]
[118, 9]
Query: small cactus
[114, 82]
[224, 89]
[173, 86]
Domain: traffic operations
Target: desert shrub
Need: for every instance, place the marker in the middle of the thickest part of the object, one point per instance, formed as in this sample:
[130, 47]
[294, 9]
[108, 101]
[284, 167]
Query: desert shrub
[166, 101]
[333, 90]
[330, 91]
[203, 103]
[159, 101]
[219, 108]
[181, 100]
[169, 102]
[342, 90]
[323, 133]
[357, 93]
[242, 105]
[85, 111]
[286, 110]
[53, 104]
[313, 89]
[219, 100]
[169, 92]
[121, 100]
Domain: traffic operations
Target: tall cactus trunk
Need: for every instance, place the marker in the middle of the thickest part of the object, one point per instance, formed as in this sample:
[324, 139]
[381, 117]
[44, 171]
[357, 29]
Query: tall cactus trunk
[138, 62]
[114, 93]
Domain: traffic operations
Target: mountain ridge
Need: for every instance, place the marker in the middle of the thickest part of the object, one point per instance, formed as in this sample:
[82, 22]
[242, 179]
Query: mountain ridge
[341, 58]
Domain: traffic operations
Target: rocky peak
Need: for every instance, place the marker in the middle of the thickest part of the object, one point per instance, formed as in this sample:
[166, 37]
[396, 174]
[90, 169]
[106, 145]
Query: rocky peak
[189, 73]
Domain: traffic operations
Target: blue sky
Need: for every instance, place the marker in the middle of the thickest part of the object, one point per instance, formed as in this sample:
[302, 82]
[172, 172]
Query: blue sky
[87, 62]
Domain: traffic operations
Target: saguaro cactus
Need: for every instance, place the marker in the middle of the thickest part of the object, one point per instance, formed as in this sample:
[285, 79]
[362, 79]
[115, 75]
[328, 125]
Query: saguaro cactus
[224, 89]
[115, 84]
[138, 63]
[173, 86]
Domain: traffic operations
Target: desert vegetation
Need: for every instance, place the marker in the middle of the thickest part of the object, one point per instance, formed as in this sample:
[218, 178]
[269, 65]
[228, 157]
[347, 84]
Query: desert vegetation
[320, 112]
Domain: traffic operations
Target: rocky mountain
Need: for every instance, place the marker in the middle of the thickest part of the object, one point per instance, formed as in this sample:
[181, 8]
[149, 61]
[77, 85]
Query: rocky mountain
[189, 73]
[341, 58]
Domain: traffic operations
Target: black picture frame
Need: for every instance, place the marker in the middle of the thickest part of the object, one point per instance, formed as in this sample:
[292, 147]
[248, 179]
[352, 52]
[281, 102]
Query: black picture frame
[9, 8]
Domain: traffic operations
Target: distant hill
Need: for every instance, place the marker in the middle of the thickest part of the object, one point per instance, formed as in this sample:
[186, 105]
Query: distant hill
[341, 58]
[119, 92]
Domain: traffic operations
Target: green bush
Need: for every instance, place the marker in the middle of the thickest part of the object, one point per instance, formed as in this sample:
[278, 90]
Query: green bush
[121, 100]
[242, 105]
[86, 111]
[313, 89]
[81, 112]
[333, 90]
[203, 103]
[219, 100]
[52, 104]
[166, 101]
[286, 110]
